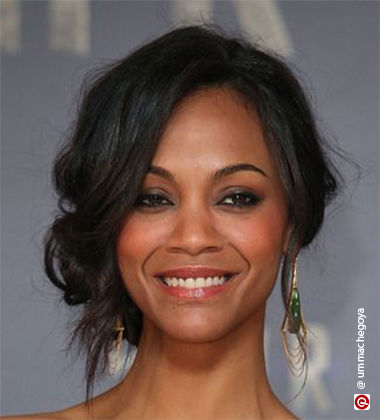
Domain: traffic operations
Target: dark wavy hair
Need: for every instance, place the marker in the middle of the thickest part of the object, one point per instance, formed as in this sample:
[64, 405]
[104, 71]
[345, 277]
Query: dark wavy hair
[99, 171]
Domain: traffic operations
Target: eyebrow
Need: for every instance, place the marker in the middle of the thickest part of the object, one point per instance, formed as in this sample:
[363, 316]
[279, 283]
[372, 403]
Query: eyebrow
[220, 173]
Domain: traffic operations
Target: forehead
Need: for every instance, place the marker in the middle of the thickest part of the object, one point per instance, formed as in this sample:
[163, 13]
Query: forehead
[212, 128]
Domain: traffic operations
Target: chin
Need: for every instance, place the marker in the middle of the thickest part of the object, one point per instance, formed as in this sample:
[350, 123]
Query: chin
[198, 329]
[196, 334]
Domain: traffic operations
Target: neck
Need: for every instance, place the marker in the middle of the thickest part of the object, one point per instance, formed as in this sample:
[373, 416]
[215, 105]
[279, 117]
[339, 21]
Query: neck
[222, 379]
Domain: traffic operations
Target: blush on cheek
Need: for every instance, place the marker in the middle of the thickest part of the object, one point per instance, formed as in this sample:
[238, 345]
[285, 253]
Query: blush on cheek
[265, 231]
[132, 241]
[135, 244]
[140, 234]
[260, 239]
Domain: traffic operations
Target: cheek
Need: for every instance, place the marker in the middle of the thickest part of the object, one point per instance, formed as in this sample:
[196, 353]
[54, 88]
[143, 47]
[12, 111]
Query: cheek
[134, 246]
[137, 240]
[261, 235]
[260, 240]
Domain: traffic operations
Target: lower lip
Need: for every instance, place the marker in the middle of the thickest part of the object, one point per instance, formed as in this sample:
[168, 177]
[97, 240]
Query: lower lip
[197, 293]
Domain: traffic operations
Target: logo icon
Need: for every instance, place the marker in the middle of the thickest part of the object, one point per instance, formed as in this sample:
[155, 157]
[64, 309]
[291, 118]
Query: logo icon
[361, 401]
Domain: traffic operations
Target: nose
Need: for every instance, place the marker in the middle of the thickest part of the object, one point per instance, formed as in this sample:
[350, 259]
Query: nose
[194, 232]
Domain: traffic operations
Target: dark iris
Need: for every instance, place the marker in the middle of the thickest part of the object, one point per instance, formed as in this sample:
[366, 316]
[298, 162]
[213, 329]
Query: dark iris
[150, 200]
[239, 199]
[242, 199]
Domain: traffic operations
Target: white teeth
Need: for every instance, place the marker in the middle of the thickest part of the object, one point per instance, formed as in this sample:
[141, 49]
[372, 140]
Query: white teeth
[193, 283]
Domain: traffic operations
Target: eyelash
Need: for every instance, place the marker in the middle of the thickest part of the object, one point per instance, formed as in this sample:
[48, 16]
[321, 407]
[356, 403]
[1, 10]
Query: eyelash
[252, 200]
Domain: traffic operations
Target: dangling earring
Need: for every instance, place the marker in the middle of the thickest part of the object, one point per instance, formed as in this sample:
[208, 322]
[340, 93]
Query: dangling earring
[115, 356]
[293, 323]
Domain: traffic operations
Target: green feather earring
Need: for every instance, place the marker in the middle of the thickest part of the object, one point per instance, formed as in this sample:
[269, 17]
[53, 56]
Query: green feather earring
[293, 323]
[294, 320]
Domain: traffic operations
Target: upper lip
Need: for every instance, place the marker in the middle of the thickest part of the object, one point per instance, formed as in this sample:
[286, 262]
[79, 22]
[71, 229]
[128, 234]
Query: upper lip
[193, 271]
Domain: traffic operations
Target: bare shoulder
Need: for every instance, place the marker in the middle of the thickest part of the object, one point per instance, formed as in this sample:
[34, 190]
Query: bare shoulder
[281, 412]
[98, 409]
[71, 413]
[288, 415]
[47, 416]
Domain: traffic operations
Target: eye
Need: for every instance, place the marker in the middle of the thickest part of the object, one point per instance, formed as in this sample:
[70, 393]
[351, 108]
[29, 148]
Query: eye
[151, 200]
[240, 199]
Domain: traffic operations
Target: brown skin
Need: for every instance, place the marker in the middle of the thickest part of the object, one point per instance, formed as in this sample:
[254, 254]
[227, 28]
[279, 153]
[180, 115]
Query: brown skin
[202, 359]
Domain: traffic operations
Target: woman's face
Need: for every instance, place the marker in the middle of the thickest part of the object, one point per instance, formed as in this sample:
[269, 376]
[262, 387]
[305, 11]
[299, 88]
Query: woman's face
[186, 216]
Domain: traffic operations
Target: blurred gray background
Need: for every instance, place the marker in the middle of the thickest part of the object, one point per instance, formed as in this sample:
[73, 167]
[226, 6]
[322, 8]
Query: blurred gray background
[47, 48]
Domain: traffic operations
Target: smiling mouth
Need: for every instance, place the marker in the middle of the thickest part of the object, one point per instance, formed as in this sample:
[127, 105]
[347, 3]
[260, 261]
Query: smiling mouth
[196, 282]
